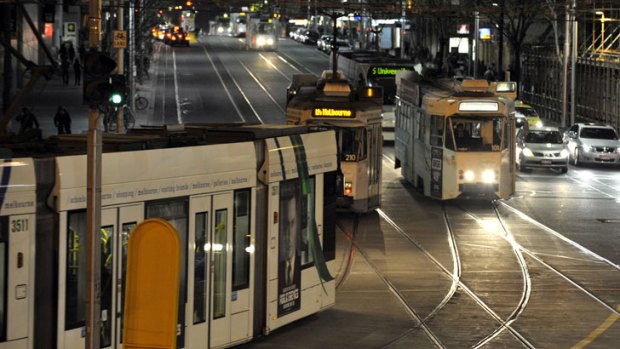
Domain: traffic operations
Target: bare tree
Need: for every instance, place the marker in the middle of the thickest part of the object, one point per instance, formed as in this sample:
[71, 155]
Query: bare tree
[517, 17]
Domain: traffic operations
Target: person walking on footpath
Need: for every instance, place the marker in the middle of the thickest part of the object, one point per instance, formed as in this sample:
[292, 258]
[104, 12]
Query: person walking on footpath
[62, 120]
[64, 66]
[29, 126]
[489, 74]
[77, 70]
[71, 52]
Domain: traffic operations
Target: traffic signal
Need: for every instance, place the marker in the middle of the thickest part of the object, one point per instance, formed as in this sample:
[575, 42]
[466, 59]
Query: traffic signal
[118, 90]
[97, 69]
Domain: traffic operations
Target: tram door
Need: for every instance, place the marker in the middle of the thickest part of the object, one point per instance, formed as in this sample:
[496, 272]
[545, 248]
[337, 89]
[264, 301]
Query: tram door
[128, 219]
[208, 312]
[115, 223]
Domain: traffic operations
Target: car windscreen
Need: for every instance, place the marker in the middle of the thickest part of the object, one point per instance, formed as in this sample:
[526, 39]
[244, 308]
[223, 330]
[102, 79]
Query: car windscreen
[598, 133]
[527, 111]
[553, 137]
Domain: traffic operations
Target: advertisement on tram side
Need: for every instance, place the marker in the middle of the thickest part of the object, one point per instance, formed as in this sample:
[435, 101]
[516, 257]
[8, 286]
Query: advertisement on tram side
[436, 169]
[289, 261]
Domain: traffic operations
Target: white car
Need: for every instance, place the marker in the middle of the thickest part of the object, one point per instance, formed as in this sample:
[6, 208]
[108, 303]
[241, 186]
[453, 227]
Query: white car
[593, 143]
[541, 147]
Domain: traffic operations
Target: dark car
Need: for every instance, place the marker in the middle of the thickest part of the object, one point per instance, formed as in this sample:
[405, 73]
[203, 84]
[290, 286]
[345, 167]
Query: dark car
[176, 36]
[310, 37]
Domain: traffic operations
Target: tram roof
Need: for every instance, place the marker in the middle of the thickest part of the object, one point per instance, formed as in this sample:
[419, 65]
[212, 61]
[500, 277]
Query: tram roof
[158, 137]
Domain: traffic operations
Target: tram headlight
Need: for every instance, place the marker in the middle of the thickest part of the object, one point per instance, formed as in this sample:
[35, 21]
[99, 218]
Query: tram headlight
[488, 176]
[348, 188]
[469, 175]
[564, 153]
[527, 152]
[270, 42]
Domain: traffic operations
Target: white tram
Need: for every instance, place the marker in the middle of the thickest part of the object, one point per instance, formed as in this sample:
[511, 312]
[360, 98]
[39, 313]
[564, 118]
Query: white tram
[356, 117]
[249, 215]
[454, 138]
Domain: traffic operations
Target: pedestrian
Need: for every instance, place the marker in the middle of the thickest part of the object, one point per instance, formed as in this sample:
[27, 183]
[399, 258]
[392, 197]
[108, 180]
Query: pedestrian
[82, 52]
[64, 67]
[62, 120]
[27, 121]
[63, 52]
[489, 74]
[77, 70]
[71, 52]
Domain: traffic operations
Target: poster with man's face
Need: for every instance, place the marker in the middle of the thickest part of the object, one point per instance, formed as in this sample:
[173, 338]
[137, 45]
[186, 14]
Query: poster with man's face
[289, 261]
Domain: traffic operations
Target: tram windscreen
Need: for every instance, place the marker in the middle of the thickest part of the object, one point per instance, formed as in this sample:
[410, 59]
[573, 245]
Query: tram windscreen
[265, 28]
[352, 144]
[472, 133]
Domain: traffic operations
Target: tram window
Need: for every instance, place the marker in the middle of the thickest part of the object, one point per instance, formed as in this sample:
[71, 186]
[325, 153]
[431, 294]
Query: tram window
[353, 144]
[3, 274]
[421, 120]
[126, 230]
[200, 267]
[306, 253]
[76, 274]
[241, 240]
[219, 263]
[437, 126]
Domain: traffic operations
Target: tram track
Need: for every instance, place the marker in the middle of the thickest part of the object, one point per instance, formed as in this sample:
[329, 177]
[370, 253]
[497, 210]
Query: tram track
[420, 322]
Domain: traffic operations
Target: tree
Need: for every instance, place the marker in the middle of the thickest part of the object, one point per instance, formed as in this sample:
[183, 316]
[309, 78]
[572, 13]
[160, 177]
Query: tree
[517, 17]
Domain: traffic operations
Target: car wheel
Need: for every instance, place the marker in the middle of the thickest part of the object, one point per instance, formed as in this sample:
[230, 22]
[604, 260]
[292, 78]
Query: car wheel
[564, 170]
[576, 160]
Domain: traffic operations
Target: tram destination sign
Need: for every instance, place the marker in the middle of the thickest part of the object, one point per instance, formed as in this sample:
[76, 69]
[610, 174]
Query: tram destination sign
[379, 70]
[327, 112]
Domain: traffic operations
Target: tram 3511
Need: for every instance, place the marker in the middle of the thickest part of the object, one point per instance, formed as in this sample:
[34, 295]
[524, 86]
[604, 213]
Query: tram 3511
[455, 138]
[355, 115]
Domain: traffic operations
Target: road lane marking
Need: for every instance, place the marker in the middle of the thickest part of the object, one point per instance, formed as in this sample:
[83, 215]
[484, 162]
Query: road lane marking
[176, 88]
[598, 331]
[223, 84]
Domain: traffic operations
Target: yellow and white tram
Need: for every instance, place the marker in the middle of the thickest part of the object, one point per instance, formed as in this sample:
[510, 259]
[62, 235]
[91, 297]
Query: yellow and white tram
[454, 138]
[254, 219]
[356, 117]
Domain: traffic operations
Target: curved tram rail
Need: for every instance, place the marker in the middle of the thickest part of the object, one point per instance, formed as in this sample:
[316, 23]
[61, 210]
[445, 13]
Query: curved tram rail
[490, 219]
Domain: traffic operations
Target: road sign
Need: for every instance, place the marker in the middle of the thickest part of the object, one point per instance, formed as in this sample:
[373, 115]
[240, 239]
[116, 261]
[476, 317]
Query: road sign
[120, 39]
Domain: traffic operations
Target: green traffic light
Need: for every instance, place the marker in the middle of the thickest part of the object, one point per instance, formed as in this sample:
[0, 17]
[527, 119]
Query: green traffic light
[116, 98]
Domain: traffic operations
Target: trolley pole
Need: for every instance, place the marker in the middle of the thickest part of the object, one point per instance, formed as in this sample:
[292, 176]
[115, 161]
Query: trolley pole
[565, 67]
[474, 49]
[120, 126]
[93, 198]
[573, 71]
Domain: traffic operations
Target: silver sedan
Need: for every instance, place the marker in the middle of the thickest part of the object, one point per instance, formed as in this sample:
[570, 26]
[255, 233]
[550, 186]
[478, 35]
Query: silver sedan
[541, 147]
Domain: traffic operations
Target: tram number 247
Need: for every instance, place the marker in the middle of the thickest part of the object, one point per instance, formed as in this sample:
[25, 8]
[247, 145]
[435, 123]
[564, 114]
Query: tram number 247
[19, 225]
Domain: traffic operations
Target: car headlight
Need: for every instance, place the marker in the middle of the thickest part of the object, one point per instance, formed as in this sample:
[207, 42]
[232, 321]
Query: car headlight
[469, 175]
[488, 176]
[564, 153]
[260, 41]
[586, 148]
[539, 124]
[527, 152]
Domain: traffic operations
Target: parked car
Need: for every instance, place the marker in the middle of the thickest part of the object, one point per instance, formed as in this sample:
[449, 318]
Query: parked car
[323, 41]
[309, 37]
[593, 143]
[296, 34]
[524, 112]
[541, 147]
[343, 45]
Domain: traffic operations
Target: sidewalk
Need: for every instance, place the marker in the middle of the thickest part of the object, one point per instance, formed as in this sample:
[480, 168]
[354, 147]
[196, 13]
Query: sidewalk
[47, 95]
